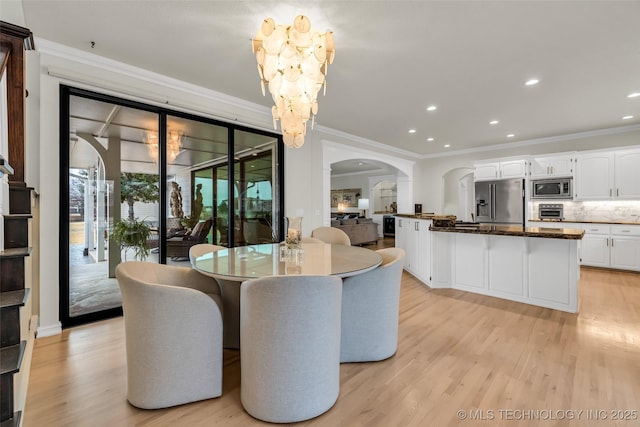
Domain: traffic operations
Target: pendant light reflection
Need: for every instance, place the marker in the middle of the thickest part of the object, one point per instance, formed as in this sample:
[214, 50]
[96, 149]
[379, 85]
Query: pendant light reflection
[293, 62]
[174, 144]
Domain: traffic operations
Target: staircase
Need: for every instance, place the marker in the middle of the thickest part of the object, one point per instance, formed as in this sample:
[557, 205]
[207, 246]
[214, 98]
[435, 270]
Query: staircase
[15, 218]
[13, 294]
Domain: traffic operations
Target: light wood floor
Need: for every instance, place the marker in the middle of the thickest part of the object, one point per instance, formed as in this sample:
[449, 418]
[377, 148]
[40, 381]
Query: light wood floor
[457, 351]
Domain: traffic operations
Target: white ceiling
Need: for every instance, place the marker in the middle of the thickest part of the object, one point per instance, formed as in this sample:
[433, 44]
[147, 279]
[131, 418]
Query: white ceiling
[393, 59]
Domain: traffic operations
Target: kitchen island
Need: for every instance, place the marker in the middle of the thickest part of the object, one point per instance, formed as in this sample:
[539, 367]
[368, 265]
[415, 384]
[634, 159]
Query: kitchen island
[533, 265]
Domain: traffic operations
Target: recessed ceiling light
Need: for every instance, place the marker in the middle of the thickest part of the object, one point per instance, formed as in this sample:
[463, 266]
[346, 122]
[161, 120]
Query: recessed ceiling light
[447, 145]
[532, 82]
[360, 163]
[494, 122]
[432, 108]
[510, 135]
[627, 117]
[412, 131]
[633, 95]
[430, 139]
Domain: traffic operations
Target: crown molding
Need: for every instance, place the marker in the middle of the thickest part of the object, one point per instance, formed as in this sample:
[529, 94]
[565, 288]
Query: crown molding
[537, 141]
[368, 142]
[76, 55]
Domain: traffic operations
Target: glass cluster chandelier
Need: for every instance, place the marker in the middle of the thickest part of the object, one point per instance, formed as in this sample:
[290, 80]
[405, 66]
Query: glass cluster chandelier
[293, 61]
[174, 144]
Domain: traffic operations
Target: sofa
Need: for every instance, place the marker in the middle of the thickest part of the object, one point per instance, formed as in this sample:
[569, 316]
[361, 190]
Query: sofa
[359, 230]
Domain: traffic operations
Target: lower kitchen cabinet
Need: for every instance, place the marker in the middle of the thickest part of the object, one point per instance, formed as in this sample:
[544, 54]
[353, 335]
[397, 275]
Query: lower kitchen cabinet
[625, 247]
[594, 250]
[507, 265]
[606, 245]
[539, 271]
[414, 237]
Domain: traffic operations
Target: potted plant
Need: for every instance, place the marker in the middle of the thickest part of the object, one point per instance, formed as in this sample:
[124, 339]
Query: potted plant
[131, 233]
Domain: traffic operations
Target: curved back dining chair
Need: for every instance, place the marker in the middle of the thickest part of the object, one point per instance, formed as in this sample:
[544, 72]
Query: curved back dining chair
[173, 334]
[201, 249]
[290, 341]
[331, 235]
[370, 305]
[310, 240]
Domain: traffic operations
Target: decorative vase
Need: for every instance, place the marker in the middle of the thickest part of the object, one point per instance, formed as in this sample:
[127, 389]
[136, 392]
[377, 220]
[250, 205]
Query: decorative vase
[294, 231]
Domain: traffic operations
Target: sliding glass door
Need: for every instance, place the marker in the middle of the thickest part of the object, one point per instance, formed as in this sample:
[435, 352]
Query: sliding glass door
[143, 182]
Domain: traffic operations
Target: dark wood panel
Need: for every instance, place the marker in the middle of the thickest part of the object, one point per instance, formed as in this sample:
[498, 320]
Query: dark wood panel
[19, 199]
[9, 326]
[16, 232]
[12, 277]
[14, 39]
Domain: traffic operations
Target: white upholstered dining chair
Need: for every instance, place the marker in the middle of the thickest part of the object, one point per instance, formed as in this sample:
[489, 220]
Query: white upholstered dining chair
[310, 240]
[290, 341]
[173, 334]
[370, 305]
[198, 250]
[331, 235]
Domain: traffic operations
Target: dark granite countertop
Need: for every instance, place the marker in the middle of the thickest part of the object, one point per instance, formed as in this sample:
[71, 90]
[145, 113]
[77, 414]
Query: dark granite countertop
[515, 230]
[586, 221]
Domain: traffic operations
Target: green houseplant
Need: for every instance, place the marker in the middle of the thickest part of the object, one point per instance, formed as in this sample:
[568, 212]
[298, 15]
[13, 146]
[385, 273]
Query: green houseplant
[131, 233]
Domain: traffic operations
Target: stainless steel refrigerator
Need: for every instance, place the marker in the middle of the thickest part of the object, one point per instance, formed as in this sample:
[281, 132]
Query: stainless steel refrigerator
[500, 202]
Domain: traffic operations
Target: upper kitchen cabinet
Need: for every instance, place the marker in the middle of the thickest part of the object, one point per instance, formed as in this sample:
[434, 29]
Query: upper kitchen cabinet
[500, 170]
[594, 176]
[608, 175]
[627, 174]
[551, 167]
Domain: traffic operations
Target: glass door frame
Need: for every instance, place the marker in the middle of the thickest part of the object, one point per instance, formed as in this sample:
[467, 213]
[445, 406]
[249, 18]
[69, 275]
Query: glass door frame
[65, 93]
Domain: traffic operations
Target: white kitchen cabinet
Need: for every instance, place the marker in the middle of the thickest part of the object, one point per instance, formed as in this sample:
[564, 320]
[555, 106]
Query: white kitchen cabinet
[625, 247]
[594, 176]
[402, 227]
[552, 166]
[470, 261]
[487, 171]
[608, 175]
[500, 170]
[594, 247]
[423, 261]
[552, 280]
[627, 174]
[540, 271]
[507, 266]
[414, 237]
[441, 259]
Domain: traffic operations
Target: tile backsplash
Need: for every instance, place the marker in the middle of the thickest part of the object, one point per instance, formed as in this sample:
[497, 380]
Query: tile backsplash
[619, 210]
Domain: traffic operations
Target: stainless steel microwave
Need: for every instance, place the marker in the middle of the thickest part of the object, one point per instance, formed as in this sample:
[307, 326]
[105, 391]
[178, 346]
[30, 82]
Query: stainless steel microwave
[559, 188]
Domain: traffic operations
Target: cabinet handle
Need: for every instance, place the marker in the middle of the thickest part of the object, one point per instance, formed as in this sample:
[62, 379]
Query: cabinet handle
[625, 231]
[610, 192]
[416, 226]
[617, 192]
[612, 242]
[608, 242]
[548, 170]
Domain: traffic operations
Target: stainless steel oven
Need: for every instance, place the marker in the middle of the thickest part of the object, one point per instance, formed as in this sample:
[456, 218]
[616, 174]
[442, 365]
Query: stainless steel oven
[559, 188]
[551, 211]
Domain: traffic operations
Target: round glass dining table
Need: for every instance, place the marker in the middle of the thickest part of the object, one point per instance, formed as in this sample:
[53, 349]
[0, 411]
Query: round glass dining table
[231, 266]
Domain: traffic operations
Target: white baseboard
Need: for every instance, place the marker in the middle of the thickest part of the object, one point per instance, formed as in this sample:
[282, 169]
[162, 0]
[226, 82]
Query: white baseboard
[47, 331]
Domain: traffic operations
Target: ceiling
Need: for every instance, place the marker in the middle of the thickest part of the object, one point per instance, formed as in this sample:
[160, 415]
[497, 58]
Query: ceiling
[393, 60]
